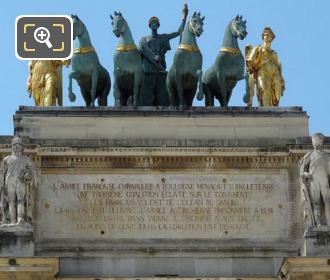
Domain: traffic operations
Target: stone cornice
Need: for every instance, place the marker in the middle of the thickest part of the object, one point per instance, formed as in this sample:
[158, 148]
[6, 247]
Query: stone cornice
[161, 111]
[161, 157]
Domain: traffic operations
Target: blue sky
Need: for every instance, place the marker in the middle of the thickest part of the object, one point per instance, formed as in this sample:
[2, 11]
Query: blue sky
[302, 43]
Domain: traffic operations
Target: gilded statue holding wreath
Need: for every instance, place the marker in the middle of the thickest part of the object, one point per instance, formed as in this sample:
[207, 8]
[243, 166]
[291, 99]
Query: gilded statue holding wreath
[45, 82]
[264, 66]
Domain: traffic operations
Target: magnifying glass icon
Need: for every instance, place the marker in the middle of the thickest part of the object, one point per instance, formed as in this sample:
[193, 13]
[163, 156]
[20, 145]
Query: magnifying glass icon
[41, 35]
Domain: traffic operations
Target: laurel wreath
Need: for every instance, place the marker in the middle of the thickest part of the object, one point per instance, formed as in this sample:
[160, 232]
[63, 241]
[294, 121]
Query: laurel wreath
[26, 175]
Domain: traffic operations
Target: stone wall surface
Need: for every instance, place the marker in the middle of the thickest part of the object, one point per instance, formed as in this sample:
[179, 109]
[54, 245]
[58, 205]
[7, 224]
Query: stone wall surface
[140, 125]
[208, 205]
[155, 192]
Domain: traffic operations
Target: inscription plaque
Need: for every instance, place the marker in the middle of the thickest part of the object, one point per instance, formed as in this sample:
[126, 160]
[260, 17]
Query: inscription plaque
[245, 204]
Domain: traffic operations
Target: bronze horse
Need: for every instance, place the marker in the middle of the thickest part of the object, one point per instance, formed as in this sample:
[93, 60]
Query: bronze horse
[220, 79]
[186, 71]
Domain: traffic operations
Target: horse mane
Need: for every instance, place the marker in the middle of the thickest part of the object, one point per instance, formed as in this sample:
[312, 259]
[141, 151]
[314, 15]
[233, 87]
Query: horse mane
[231, 22]
[238, 18]
[75, 17]
[117, 14]
[195, 14]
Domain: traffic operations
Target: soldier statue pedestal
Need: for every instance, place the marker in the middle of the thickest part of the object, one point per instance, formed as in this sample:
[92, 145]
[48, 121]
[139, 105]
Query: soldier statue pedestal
[16, 241]
[316, 242]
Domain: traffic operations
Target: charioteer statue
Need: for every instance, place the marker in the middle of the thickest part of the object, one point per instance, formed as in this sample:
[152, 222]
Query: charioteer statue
[153, 49]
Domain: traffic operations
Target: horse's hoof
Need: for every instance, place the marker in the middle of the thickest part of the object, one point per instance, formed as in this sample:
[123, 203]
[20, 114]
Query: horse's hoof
[72, 97]
[200, 97]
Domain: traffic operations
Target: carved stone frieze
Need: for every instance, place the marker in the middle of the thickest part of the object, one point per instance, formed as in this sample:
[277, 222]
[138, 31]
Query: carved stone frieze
[167, 162]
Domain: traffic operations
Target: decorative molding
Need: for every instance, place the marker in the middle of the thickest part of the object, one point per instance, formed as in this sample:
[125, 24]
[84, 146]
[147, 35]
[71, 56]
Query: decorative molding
[283, 247]
[169, 162]
[175, 150]
[303, 149]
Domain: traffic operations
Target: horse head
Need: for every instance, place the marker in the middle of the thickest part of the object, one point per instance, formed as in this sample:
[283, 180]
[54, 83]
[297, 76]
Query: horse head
[196, 24]
[78, 26]
[238, 27]
[119, 24]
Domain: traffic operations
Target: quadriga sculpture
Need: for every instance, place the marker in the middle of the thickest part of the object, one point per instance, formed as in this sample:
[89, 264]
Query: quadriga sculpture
[92, 78]
[128, 70]
[220, 79]
[186, 71]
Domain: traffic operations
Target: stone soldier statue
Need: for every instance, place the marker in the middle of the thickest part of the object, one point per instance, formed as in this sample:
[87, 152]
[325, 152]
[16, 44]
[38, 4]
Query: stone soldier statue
[17, 175]
[263, 63]
[315, 175]
[153, 49]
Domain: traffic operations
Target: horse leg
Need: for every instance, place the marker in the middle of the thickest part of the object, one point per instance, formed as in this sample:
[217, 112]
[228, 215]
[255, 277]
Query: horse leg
[223, 91]
[180, 91]
[200, 92]
[129, 101]
[249, 89]
[86, 96]
[95, 80]
[209, 99]
[116, 95]
[170, 90]
[103, 95]
[124, 98]
[230, 84]
[190, 94]
[102, 98]
[116, 90]
[73, 75]
[229, 92]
